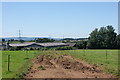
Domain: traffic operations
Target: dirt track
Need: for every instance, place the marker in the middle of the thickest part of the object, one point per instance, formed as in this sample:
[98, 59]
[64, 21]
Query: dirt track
[48, 66]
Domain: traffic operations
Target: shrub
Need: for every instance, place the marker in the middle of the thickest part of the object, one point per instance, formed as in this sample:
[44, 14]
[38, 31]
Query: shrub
[45, 48]
[31, 48]
[65, 48]
[14, 48]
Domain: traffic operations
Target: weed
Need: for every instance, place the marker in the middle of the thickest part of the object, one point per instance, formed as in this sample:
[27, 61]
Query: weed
[41, 68]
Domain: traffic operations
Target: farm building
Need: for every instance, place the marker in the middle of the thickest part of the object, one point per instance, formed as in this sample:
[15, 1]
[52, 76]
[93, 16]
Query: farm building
[29, 45]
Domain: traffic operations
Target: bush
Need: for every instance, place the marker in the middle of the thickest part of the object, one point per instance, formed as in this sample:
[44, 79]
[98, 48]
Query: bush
[13, 48]
[44, 48]
[65, 48]
[31, 48]
[81, 44]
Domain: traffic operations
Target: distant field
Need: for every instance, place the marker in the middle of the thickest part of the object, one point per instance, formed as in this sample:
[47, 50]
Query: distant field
[21, 60]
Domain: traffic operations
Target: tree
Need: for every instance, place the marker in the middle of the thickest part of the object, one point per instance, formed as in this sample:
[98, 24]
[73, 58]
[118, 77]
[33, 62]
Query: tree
[81, 44]
[110, 37]
[118, 41]
[93, 39]
[42, 40]
[21, 41]
[103, 38]
[3, 40]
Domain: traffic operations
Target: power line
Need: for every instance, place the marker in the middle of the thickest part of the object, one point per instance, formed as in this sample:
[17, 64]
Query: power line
[19, 35]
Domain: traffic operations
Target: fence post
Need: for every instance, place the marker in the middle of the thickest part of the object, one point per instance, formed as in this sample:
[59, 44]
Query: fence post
[106, 54]
[84, 51]
[8, 62]
[27, 53]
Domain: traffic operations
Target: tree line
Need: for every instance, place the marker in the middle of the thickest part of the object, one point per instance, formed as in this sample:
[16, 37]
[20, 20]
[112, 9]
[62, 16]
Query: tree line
[38, 40]
[103, 38]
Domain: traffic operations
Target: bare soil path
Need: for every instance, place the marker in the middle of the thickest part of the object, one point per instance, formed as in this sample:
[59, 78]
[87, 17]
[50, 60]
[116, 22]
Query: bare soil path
[64, 66]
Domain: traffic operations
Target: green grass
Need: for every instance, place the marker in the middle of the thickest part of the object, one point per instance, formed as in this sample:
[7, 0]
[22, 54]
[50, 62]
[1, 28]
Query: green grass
[109, 64]
[0, 65]
[21, 62]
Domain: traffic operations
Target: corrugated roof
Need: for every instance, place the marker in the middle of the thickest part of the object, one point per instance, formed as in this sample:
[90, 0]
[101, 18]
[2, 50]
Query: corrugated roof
[22, 44]
[71, 44]
[51, 44]
[41, 44]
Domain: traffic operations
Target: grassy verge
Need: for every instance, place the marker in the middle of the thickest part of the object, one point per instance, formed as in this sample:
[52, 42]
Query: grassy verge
[20, 62]
[109, 64]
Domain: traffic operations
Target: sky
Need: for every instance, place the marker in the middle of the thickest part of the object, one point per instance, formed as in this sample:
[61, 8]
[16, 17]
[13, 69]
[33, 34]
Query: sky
[57, 19]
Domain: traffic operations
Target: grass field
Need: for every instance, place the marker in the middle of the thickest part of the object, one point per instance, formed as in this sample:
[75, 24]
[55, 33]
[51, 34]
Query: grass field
[109, 64]
[21, 60]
